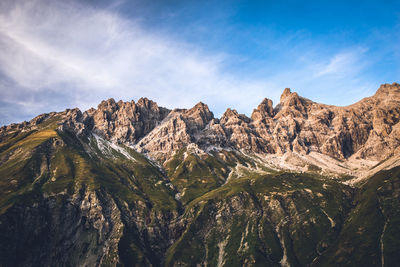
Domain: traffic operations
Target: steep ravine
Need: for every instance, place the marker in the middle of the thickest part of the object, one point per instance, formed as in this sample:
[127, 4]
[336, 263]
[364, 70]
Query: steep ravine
[83, 229]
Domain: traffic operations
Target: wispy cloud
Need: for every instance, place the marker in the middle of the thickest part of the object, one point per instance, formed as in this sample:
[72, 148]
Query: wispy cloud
[47, 45]
[59, 54]
[343, 64]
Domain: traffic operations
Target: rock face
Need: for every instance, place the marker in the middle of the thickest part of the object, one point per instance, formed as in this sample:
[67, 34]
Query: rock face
[135, 184]
[180, 128]
[126, 122]
[84, 230]
[367, 129]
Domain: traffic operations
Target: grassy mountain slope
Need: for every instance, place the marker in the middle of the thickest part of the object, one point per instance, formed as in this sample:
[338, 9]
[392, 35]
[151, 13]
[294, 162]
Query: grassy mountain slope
[68, 200]
[371, 233]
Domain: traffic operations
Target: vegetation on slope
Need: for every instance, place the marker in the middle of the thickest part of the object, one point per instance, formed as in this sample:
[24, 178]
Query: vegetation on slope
[218, 208]
[259, 219]
[371, 233]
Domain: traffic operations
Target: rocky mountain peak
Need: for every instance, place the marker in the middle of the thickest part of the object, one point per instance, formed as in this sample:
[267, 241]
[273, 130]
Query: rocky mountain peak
[386, 90]
[264, 110]
[287, 92]
[126, 122]
[200, 105]
[108, 105]
[72, 195]
[198, 116]
[200, 110]
[297, 124]
[367, 129]
[145, 103]
[180, 128]
[291, 98]
[291, 104]
[231, 116]
[230, 113]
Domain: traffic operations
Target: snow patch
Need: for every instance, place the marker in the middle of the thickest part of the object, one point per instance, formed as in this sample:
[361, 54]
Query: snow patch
[106, 148]
[153, 162]
[122, 151]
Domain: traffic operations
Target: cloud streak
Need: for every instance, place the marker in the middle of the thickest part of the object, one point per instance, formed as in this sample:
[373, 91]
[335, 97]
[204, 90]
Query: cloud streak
[47, 45]
[343, 64]
[59, 54]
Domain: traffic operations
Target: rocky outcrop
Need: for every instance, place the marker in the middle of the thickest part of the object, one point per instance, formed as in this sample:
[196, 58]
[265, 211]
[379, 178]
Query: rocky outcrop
[368, 129]
[180, 128]
[87, 229]
[264, 111]
[126, 122]
[74, 191]
[84, 230]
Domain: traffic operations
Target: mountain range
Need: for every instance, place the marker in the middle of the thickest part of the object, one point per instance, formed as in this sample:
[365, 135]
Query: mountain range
[134, 184]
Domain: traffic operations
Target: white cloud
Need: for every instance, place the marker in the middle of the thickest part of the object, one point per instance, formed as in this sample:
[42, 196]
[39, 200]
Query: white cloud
[59, 54]
[347, 63]
[52, 44]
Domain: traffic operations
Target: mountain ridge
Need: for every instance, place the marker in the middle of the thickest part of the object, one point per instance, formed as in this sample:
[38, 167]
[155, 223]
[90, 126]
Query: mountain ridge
[367, 129]
[135, 184]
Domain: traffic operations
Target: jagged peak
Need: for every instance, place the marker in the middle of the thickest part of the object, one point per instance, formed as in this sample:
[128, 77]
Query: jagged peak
[201, 105]
[143, 100]
[287, 92]
[108, 101]
[147, 103]
[288, 96]
[266, 101]
[232, 114]
[200, 110]
[73, 112]
[264, 109]
[107, 104]
[142, 103]
[388, 89]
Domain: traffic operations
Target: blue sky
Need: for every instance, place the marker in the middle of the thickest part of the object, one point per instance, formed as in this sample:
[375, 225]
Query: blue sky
[63, 54]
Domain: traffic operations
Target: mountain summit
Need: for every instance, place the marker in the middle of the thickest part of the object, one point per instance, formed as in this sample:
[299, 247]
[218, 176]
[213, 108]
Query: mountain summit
[135, 184]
